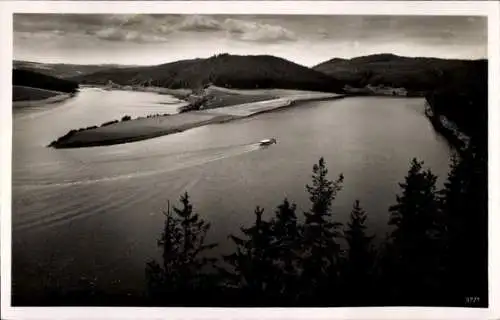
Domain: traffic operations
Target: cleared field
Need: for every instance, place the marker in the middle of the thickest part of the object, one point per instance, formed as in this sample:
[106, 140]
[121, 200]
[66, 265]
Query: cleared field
[214, 97]
[178, 93]
[268, 92]
[288, 98]
[220, 99]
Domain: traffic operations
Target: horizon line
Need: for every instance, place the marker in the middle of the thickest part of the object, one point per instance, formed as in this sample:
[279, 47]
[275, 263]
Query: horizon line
[249, 55]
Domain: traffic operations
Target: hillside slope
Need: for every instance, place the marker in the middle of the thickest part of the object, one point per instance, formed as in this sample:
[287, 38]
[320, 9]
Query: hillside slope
[231, 71]
[62, 70]
[416, 75]
[462, 96]
[27, 78]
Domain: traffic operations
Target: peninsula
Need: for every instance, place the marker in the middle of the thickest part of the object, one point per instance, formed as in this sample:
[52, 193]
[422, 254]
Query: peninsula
[260, 101]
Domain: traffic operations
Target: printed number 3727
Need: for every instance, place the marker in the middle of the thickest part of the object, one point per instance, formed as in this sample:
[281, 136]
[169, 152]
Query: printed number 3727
[471, 300]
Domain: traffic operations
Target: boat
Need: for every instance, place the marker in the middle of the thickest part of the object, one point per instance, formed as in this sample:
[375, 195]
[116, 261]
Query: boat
[267, 142]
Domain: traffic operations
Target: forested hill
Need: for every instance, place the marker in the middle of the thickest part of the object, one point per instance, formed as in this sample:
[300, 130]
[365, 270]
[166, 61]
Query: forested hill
[232, 71]
[28, 78]
[416, 75]
[462, 96]
[62, 70]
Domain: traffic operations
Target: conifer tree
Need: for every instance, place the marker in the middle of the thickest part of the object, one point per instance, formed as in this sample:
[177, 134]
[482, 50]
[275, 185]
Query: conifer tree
[253, 270]
[321, 250]
[183, 244]
[360, 249]
[285, 248]
[285, 231]
[358, 268]
[416, 212]
[464, 205]
[415, 239]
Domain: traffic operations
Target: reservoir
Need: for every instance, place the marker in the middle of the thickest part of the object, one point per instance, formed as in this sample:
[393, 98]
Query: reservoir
[97, 212]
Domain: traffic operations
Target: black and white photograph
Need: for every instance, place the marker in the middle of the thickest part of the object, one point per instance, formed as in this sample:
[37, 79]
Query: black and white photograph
[236, 160]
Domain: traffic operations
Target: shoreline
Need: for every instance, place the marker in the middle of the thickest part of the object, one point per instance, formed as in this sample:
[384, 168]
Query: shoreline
[173, 130]
[148, 128]
[181, 94]
[447, 128]
[53, 97]
[36, 103]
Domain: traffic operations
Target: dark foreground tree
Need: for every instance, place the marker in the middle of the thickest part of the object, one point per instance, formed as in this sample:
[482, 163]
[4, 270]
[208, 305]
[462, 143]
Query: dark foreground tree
[321, 250]
[358, 269]
[286, 249]
[184, 262]
[282, 261]
[415, 250]
[252, 273]
[265, 264]
[435, 255]
[464, 204]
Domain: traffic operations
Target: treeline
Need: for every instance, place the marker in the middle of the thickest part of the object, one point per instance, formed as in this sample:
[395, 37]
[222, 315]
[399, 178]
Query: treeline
[225, 70]
[27, 78]
[418, 75]
[462, 96]
[434, 255]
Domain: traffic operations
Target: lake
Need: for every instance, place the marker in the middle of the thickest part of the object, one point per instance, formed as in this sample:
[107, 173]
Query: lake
[97, 212]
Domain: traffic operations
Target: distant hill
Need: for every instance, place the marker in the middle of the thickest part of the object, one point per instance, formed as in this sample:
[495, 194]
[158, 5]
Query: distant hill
[417, 75]
[62, 70]
[27, 78]
[457, 89]
[231, 71]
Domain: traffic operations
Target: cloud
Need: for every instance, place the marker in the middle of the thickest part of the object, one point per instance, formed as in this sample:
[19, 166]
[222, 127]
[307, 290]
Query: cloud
[198, 23]
[157, 28]
[118, 34]
[126, 28]
[150, 27]
[43, 35]
[240, 29]
[260, 32]
[322, 33]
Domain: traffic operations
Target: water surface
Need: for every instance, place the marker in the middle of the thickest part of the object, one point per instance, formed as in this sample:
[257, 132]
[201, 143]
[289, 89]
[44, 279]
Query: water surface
[97, 212]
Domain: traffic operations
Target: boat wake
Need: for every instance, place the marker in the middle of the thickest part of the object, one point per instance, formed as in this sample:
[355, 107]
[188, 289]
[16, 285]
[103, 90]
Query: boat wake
[43, 110]
[125, 156]
[180, 165]
[90, 204]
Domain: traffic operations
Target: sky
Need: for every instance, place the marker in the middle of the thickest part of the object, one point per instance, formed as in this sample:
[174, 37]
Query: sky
[146, 39]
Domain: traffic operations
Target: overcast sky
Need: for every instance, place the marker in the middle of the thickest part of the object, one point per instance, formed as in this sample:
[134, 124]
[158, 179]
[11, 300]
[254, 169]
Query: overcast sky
[308, 40]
